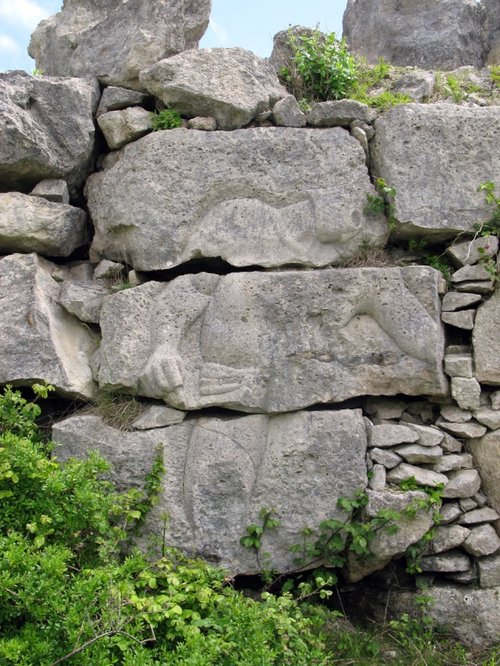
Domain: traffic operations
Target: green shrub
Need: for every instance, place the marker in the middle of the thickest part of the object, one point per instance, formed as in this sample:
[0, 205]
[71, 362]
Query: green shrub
[166, 119]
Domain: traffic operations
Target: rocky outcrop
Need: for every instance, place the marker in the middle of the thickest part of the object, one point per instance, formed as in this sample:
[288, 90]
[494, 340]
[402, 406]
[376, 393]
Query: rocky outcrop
[270, 197]
[433, 34]
[47, 130]
[40, 340]
[278, 341]
[232, 85]
[114, 40]
[415, 147]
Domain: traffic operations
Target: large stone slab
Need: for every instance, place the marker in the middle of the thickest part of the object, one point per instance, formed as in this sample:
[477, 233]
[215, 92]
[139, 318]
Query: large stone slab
[277, 341]
[486, 341]
[221, 472]
[486, 454]
[232, 85]
[40, 340]
[257, 196]
[432, 34]
[46, 130]
[32, 224]
[113, 40]
[435, 157]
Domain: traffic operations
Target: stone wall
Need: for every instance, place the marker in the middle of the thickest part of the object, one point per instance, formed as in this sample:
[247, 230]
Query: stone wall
[283, 331]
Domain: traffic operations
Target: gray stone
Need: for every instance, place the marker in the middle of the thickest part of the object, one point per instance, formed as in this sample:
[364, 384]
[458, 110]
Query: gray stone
[488, 417]
[286, 113]
[467, 504]
[447, 537]
[158, 416]
[205, 124]
[339, 113]
[458, 365]
[483, 540]
[466, 430]
[473, 250]
[462, 483]
[114, 40]
[366, 127]
[424, 477]
[32, 224]
[232, 85]
[462, 319]
[486, 341]
[486, 454]
[377, 480]
[221, 472]
[114, 99]
[449, 512]
[450, 444]
[388, 435]
[282, 53]
[416, 453]
[427, 435]
[489, 574]
[432, 34]
[464, 577]
[47, 130]
[452, 462]
[52, 189]
[108, 270]
[410, 143]
[447, 562]
[455, 414]
[417, 85]
[388, 459]
[84, 300]
[477, 273]
[480, 499]
[266, 196]
[483, 288]
[495, 399]
[483, 515]
[40, 340]
[456, 301]
[122, 127]
[361, 137]
[466, 392]
[385, 408]
[80, 271]
[271, 341]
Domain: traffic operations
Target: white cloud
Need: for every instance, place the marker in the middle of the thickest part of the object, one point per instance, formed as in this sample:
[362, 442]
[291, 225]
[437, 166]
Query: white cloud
[218, 30]
[8, 45]
[25, 13]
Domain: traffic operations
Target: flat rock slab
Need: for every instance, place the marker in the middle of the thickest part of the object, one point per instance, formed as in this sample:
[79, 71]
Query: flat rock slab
[268, 196]
[221, 472]
[415, 152]
[47, 130]
[274, 342]
[40, 340]
[486, 340]
[113, 40]
[486, 454]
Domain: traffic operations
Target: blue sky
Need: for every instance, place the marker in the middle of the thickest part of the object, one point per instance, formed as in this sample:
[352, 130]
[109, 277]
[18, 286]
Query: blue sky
[251, 25]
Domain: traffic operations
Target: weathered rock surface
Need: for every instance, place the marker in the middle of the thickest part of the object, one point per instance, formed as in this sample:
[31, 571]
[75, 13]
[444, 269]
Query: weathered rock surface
[46, 130]
[257, 196]
[84, 300]
[114, 40]
[447, 537]
[275, 341]
[489, 573]
[52, 189]
[388, 435]
[483, 540]
[424, 477]
[432, 34]
[339, 113]
[114, 99]
[221, 472]
[486, 341]
[414, 149]
[40, 340]
[462, 483]
[123, 126]
[232, 85]
[287, 113]
[33, 224]
[486, 454]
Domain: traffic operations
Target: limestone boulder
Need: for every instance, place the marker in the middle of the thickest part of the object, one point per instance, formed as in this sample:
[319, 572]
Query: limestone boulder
[267, 196]
[233, 85]
[486, 454]
[40, 340]
[46, 130]
[486, 341]
[124, 125]
[32, 224]
[275, 341]
[432, 34]
[114, 40]
[221, 472]
[83, 299]
[415, 152]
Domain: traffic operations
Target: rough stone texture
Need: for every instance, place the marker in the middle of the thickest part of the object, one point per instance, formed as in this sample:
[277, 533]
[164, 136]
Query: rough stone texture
[46, 130]
[455, 301]
[489, 574]
[476, 273]
[275, 341]
[455, 414]
[488, 417]
[386, 546]
[483, 540]
[40, 340]
[206, 124]
[447, 537]
[158, 416]
[114, 99]
[415, 150]
[418, 85]
[123, 126]
[463, 319]
[450, 561]
[416, 453]
[458, 365]
[469, 252]
[385, 408]
[486, 340]
[377, 481]
[388, 459]
[486, 454]
[478, 516]
[221, 472]
[462, 483]
[114, 40]
[339, 113]
[466, 391]
[52, 189]
[450, 511]
[282, 53]
[493, 28]
[452, 462]
[84, 300]
[232, 85]
[267, 196]
[286, 113]
[465, 430]
[450, 444]
[32, 224]
[432, 34]
[387, 435]
[424, 477]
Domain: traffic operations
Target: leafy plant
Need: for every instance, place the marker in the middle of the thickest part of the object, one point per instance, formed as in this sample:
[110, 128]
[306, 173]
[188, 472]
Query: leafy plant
[382, 202]
[495, 75]
[165, 119]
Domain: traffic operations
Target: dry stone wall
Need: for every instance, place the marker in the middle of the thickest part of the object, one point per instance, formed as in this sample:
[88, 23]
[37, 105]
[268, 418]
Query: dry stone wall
[284, 332]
